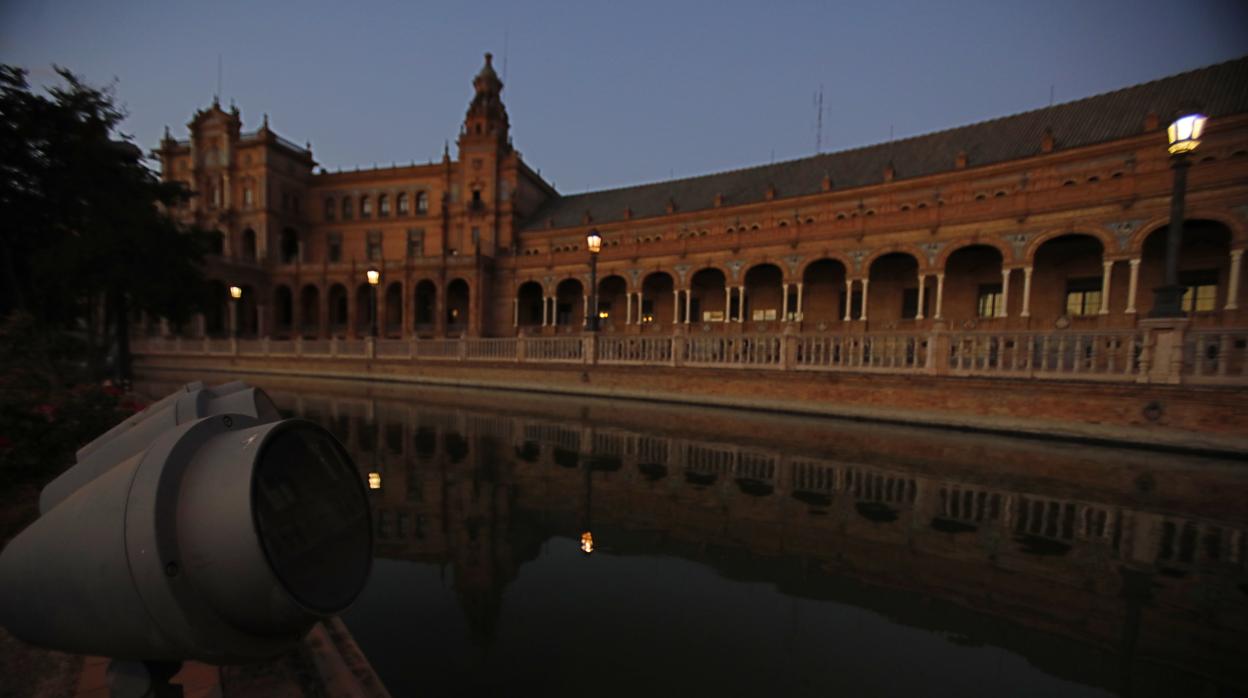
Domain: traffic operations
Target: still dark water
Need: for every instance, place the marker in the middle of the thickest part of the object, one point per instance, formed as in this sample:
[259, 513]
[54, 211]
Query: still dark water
[756, 555]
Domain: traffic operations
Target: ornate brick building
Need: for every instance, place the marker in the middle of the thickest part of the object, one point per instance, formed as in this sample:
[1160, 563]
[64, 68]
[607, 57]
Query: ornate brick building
[1044, 219]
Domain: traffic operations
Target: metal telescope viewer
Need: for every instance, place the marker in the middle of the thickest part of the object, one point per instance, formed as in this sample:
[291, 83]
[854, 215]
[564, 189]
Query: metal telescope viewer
[203, 528]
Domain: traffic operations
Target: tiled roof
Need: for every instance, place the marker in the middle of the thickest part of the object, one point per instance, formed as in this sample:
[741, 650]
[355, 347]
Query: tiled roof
[1218, 90]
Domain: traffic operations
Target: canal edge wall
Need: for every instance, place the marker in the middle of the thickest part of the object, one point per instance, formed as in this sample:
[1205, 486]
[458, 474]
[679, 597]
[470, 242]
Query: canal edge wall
[1184, 418]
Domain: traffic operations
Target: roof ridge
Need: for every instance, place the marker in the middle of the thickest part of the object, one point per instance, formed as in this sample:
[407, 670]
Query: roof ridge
[908, 139]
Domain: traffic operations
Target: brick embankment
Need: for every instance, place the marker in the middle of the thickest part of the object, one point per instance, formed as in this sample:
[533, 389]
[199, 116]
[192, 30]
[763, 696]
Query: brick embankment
[329, 664]
[1193, 418]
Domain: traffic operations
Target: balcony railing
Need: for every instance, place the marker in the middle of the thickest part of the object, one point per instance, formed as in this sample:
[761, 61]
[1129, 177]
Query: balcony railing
[1211, 357]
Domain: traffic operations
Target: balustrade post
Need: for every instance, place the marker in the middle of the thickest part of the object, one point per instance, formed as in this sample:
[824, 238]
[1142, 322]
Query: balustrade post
[521, 348]
[333, 347]
[461, 349]
[589, 350]
[788, 349]
[938, 345]
[264, 345]
[298, 345]
[370, 347]
[1232, 286]
[678, 350]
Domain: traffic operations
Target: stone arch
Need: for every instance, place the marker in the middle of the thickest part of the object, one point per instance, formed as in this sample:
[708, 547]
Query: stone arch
[612, 289]
[1108, 242]
[458, 298]
[721, 267]
[1239, 232]
[1067, 274]
[392, 310]
[310, 310]
[570, 302]
[894, 284]
[283, 308]
[338, 308]
[530, 295]
[942, 258]
[425, 304]
[825, 255]
[920, 257]
[707, 294]
[1204, 264]
[973, 283]
[764, 292]
[657, 297]
[823, 289]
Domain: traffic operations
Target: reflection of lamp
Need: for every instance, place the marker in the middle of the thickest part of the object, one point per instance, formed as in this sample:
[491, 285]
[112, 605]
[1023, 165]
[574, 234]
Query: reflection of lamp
[374, 278]
[587, 542]
[587, 538]
[593, 242]
[374, 480]
[1184, 136]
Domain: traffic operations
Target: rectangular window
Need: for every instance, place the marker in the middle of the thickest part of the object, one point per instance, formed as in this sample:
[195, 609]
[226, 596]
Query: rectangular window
[1083, 296]
[762, 314]
[374, 246]
[402, 204]
[422, 202]
[249, 197]
[383, 206]
[1201, 295]
[329, 209]
[415, 243]
[989, 304]
[334, 243]
[713, 316]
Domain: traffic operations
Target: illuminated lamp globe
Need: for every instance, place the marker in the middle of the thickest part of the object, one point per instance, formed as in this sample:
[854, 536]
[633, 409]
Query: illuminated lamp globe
[236, 292]
[374, 277]
[593, 241]
[1184, 134]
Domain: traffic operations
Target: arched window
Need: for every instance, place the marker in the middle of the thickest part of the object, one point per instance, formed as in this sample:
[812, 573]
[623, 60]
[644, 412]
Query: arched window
[366, 207]
[383, 205]
[402, 204]
[422, 202]
[348, 212]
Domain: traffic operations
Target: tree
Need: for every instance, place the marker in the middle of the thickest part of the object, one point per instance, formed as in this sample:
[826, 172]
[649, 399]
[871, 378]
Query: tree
[85, 222]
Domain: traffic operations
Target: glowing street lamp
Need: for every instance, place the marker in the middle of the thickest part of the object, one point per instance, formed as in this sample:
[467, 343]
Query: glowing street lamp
[374, 480]
[236, 292]
[374, 278]
[587, 542]
[1184, 137]
[593, 242]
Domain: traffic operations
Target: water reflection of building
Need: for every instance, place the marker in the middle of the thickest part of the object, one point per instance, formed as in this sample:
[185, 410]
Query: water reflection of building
[480, 490]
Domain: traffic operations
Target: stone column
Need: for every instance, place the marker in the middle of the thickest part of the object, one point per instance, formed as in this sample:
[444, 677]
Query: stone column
[1026, 292]
[585, 304]
[727, 303]
[849, 299]
[740, 304]
[545, 310]
[940, 295]
[688, 303]
[1004, 310]
[799, 301]
[1232, 286]
[922, 281]
[628, 312]
[866, 288]
[1133, 285]
[784, 302]
[1108, 266]
[515, 312]
[675, 306]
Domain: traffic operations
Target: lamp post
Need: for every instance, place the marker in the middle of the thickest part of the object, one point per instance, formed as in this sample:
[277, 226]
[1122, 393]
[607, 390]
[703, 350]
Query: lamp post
[236, 292]
[374, 278]
[593, 242]
[1184, 136]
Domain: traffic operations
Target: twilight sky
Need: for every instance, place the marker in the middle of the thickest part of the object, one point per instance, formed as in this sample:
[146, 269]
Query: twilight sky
[611, 94]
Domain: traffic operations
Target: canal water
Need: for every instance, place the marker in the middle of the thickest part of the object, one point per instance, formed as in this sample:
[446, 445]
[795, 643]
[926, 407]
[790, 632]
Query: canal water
[741, 554]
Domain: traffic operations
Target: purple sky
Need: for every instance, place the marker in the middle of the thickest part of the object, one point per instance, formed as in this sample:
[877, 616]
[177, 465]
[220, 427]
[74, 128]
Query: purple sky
[610, 94]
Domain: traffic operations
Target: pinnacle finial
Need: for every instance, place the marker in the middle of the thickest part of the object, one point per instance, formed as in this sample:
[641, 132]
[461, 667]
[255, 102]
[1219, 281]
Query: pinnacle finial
[489, 58]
